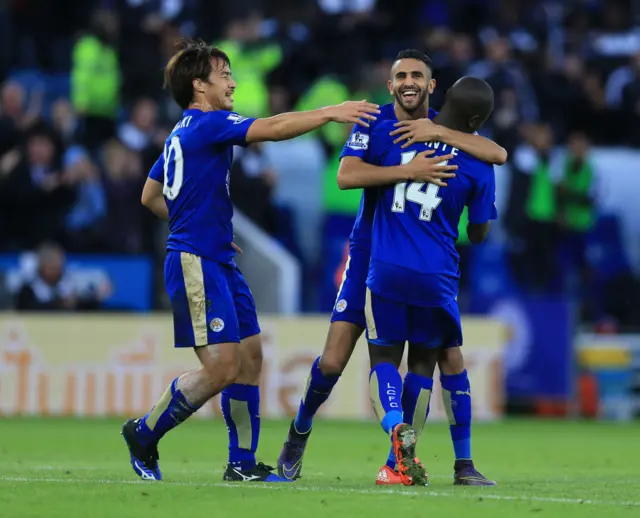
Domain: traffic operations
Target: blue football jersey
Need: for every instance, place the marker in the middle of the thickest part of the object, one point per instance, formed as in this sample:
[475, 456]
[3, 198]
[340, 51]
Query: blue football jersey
[359, 146]
[413, 254]
[194, 169]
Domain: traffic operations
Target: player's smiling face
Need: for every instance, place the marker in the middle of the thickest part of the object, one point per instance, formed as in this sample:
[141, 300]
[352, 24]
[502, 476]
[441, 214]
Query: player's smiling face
[220, 87]
[411, 83]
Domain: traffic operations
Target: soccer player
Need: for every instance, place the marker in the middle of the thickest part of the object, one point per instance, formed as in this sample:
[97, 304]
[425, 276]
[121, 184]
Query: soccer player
[213, 309]
[412, 285]
[410, 84]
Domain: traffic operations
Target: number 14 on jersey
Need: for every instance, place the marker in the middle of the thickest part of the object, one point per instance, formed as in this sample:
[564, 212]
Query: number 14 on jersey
[427, 199]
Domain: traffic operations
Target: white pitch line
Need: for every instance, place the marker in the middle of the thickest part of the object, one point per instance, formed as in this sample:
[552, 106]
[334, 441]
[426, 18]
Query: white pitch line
[295, 487]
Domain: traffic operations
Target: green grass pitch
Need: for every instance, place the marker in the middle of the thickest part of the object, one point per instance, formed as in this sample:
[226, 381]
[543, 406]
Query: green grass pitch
[66, 468]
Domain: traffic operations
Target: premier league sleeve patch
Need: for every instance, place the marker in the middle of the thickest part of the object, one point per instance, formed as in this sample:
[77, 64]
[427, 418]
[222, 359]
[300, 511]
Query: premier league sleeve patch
[359, 141]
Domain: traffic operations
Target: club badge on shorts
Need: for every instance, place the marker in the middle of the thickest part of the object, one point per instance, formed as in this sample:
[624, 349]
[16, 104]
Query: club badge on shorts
[216, 325]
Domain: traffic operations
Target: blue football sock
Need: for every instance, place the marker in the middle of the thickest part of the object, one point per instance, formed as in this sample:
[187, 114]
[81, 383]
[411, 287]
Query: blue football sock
[385, 384]
[171, 409]
[318, 389]
[456, 396]
[416, 396]
[241, 410]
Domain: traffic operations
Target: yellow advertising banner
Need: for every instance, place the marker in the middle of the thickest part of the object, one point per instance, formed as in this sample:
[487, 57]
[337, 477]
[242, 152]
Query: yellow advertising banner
[118, 365]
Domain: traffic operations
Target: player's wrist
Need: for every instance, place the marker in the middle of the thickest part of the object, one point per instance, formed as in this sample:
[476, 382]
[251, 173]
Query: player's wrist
[408, 173]
[442, 133]
[328, 113]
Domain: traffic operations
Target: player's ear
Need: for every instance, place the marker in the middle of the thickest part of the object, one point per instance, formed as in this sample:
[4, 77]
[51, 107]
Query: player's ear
[474, 122]
[432, 86]
[197, 85]
[390, 86]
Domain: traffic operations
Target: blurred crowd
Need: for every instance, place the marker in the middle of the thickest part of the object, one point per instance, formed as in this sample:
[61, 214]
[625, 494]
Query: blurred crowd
[83, 115]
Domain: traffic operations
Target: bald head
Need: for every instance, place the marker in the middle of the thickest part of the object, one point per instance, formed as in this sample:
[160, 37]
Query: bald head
[470, 102]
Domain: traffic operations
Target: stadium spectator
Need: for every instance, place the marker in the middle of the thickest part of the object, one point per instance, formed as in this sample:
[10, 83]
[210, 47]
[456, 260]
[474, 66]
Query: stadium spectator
[536, 160]
[252, 57]
[576, 209]
[85, 220]
[15, 115]
[64, 121]
[96, 79]
[33, 197]
[138, 132]
[123, 179]
[503, 72]
[51, 288]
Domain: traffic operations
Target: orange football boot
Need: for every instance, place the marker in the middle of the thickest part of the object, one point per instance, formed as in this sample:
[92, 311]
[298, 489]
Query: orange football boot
[388, 477]
[411, 470]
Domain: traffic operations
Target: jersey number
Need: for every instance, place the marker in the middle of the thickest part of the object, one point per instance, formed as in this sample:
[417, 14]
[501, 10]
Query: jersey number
[427, 199]
[173, 154]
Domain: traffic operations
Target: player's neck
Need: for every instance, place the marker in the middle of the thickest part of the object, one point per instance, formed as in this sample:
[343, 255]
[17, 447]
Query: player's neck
[448, 120]
[404, 115]
[202, 106]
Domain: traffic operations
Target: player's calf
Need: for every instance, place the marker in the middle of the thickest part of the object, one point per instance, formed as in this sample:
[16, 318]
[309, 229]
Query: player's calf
[456, 396]
[240, 404]
[318, 389]
[185, 395]
[386, 388]
[325, 373]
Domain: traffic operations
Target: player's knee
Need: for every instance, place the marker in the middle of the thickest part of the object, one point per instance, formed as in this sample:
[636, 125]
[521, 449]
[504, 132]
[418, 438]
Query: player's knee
[385, 354]
[332, 364]
[422, 368]
[338, 348]
[221, 364]
[451, 361]
[230, 369]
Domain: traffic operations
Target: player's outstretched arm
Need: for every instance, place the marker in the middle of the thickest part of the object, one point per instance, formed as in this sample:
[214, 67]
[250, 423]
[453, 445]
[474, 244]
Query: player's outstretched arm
[290, 125]
[153, 199]
[355, 173]
[425, 130]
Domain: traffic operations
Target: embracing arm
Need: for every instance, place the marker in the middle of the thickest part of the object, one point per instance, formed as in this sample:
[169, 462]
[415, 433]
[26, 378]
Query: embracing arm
[425, 130]
[153, 199]
[355, 173]
[475, 145]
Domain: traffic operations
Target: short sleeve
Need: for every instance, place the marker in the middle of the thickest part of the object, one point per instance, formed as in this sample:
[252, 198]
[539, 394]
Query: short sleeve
[482, 205]
[358, 143]
[226, 128]
[157, 171]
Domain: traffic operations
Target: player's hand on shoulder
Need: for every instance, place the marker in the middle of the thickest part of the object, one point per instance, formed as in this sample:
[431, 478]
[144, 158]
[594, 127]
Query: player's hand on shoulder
[420, 130]
[430, 169]
[355, 112]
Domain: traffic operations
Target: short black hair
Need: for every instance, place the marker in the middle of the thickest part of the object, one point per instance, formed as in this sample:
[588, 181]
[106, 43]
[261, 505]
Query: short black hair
[192, 60]
[415, 54]
[471, 99]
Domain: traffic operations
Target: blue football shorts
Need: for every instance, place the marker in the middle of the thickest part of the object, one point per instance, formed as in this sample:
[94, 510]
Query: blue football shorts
[211, 301]
[390, 322]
